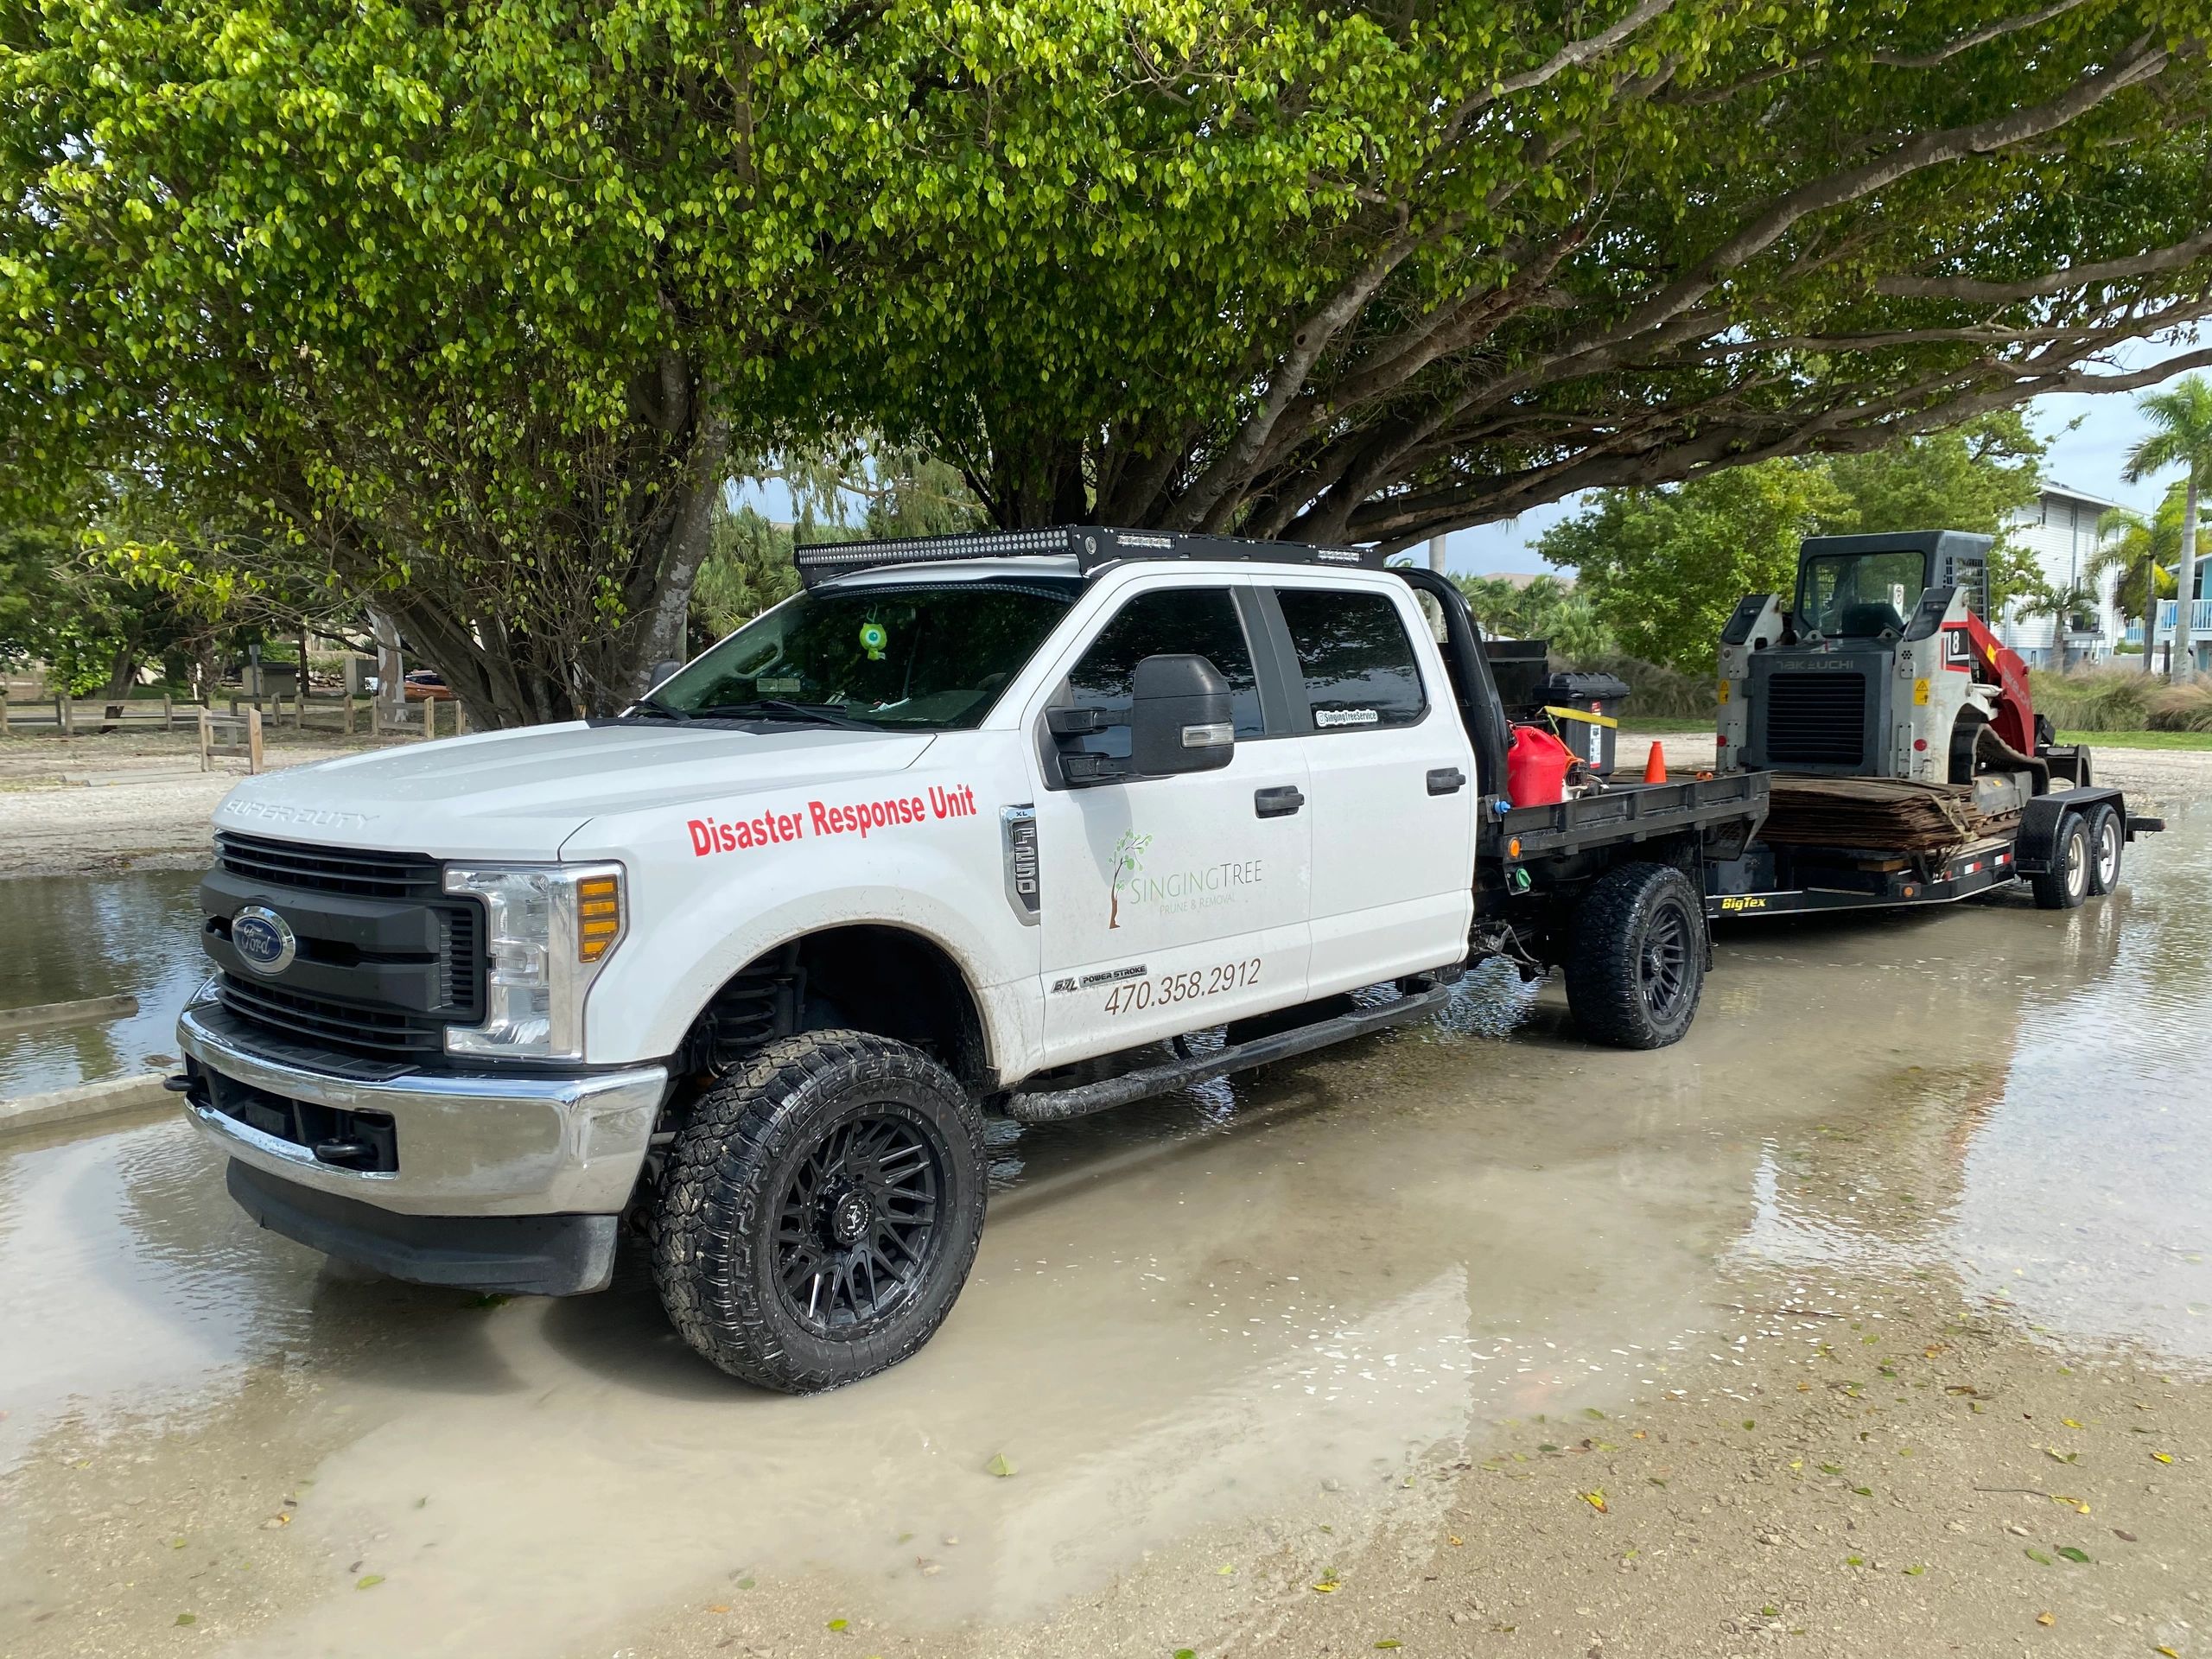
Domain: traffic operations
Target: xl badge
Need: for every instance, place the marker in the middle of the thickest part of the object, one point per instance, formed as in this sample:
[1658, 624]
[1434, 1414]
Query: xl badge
[264, 940]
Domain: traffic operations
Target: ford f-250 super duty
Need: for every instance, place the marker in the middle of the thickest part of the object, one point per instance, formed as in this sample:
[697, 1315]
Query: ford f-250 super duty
[1031, 823]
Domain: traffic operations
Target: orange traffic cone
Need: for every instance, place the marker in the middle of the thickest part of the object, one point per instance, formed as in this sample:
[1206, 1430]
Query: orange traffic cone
[1655, 769]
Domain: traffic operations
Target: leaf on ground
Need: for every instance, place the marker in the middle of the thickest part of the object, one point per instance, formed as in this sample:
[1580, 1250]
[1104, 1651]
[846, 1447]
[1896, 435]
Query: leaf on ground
[2058, 1456]
[1000, 1465]
[1914, 1572]
[1854, 1560]
[2069, 1422]
[718, 1607]
[1831, 1468]
[2037, 1557]
[2124, 1537]
[1864, 1491]
[2045, 1619]
[368, 1581]
[1595, 1415]
[2164, 1457]
[176, 1543]
[746, 1584]
[1596, 1500]
[2072, 1553]
[1454, 1539]
[1226, 1568]
[838, 1624]
[1387, 1642]
[1186, 1653]
[188, 1619]
[1327, 1584]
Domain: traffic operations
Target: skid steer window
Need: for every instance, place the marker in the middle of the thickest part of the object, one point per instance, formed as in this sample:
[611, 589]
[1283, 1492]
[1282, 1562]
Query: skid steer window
[1860, 595]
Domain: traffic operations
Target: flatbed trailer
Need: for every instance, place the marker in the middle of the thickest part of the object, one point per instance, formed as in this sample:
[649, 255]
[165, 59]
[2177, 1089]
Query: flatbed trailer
[1779, 879]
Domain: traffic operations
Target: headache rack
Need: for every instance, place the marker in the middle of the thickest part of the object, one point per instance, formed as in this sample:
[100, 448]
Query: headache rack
[1089, 545]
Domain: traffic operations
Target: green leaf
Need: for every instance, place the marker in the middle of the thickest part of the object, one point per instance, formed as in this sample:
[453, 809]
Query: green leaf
[188, 1619]
[1002, 1465]
[2072, 1553]
[837, 1624]
[2037, 1557]
[368, 1581]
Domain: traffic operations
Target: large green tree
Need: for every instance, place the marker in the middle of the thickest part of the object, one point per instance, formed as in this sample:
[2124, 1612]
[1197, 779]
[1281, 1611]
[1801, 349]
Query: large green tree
[1663, 567]
[1374, 273]
[475, 300]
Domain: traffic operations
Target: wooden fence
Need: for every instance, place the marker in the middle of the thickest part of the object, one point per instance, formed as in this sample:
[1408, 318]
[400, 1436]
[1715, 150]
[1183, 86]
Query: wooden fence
[339, 716]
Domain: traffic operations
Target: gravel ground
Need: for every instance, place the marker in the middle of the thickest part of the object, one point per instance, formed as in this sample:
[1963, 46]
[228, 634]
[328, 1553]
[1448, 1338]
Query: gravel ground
[147, 807]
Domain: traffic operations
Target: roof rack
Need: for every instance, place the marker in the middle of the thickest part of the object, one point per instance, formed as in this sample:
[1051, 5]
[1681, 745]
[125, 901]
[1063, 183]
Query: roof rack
[1091, 546]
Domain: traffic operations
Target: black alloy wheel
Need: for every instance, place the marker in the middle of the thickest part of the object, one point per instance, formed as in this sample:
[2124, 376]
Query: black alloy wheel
[857, 1230]
[1635, 958]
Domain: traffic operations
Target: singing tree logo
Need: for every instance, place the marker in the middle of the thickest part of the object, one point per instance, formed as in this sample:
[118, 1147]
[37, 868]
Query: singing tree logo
[1128, 858]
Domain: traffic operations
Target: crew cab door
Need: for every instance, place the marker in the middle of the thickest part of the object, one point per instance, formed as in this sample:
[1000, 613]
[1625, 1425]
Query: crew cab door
[1392, 775]
[1172, 903]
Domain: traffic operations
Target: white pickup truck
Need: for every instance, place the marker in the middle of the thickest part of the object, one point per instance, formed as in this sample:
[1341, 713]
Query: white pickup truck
[1031, 823]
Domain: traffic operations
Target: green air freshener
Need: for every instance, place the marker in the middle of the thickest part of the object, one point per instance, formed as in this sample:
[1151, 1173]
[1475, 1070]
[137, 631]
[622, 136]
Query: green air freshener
[873, 640]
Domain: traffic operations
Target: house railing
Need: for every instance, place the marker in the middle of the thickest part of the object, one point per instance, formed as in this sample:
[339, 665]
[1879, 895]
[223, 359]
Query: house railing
[2199, 622]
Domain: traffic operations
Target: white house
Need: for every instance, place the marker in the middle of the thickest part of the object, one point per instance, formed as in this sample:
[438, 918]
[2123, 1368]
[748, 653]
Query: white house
[2059, 530]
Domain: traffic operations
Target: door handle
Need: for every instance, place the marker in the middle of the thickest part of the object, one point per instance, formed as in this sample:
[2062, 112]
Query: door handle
[1446, 780]
[1279, 802]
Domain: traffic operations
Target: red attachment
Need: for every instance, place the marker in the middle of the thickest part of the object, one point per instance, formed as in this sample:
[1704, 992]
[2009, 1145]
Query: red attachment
[1535, 767]
[1999, 665]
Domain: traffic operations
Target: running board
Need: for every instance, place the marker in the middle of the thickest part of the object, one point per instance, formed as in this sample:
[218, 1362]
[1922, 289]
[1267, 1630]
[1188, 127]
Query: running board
[1059, 1105]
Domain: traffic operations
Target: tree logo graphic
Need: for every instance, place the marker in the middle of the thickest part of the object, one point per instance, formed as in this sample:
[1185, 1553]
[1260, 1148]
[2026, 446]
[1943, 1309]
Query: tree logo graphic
[1128, 858]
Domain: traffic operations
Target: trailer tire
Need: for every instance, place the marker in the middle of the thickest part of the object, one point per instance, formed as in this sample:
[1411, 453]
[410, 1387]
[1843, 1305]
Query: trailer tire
[2066, 883]
[2108, 841]
[854, 1155]
[1636, 957]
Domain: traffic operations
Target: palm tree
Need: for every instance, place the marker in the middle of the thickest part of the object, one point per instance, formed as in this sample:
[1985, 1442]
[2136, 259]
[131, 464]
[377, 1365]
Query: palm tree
[2181, 416]
[2139, 551]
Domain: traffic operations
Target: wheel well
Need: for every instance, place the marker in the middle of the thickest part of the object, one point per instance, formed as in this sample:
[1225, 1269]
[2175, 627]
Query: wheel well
[879, 979]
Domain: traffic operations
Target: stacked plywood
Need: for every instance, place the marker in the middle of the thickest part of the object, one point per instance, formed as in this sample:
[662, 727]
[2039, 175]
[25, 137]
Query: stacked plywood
[1892, 814]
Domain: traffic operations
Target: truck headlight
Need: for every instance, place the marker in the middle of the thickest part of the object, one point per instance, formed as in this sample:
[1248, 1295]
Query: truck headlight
[548, 928]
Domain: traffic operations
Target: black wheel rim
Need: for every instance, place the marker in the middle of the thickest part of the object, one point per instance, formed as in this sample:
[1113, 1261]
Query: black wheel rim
[1662, 968]
[856, 1226]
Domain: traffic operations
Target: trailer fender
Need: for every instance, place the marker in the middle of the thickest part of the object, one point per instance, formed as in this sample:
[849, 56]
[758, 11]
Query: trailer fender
[2039, 822]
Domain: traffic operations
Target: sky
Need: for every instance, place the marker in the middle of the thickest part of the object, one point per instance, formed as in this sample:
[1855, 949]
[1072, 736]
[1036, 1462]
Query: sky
[2090, 434]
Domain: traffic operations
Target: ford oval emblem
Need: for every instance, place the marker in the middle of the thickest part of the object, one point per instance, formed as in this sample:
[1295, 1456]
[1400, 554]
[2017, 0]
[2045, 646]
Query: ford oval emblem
[264, 940]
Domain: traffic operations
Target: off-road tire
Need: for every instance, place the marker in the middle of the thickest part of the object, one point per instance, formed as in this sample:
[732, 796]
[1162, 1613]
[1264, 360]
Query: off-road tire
[1635, 956]
[2107, 845]
[2066, 883]
[718, 1252]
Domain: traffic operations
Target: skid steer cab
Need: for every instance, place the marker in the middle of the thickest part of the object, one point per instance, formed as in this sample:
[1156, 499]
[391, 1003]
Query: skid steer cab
[1884, 666]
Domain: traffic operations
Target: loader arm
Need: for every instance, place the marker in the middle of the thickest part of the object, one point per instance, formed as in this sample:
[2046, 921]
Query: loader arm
[1999, 664]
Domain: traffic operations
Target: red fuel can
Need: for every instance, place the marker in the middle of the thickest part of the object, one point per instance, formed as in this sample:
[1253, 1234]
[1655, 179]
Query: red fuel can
[1535, 767]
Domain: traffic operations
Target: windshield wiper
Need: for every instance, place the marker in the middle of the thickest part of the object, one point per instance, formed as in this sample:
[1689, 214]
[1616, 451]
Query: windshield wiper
[821, 714]
[665, 710]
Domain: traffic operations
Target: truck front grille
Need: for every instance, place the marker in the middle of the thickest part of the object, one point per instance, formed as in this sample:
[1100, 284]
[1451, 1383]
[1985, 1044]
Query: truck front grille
[1816, 720]
[386, 960]
[387, 1033]
[303, 866]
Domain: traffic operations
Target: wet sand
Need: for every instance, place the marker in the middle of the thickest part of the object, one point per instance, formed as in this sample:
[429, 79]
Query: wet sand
[1923, 1206]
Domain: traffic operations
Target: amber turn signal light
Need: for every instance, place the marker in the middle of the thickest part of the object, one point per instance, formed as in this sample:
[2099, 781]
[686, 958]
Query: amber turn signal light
[598, 913]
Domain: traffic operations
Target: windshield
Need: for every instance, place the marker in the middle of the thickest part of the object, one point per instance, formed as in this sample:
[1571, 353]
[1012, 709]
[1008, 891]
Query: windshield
[1860, 595]
[905, 658]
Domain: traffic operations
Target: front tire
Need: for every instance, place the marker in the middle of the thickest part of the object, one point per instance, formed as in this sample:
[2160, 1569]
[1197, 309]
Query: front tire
[818, 1215]
[1636, 958]
[2108, 841]
[2066, 883]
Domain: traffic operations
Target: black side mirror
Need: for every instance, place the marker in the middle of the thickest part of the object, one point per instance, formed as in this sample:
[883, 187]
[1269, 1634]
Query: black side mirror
[1179, 717]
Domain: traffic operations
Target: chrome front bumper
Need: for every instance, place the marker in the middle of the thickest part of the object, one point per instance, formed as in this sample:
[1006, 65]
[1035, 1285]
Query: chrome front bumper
[485, 1146]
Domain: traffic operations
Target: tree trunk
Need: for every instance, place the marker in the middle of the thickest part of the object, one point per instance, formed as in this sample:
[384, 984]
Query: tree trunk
[122, 671]
[2182, 666]
[2149, 610]
[690, 537]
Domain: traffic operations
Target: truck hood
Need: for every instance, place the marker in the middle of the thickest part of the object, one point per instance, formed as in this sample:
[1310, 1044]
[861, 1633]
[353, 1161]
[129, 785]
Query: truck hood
[520, 795]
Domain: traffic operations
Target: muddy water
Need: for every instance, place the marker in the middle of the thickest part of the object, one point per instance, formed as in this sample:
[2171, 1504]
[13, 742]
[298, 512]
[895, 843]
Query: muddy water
[1238, 1313]
[72, 937]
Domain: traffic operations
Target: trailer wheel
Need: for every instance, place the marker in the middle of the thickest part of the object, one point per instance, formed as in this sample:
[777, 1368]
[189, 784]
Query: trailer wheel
[1636, 957]
[820, 1212]
[2066, 883]
[2108, 839]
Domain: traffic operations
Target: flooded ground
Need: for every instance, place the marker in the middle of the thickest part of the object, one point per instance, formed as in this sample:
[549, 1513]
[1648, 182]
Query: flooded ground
[81, 936]
[1370, 1349]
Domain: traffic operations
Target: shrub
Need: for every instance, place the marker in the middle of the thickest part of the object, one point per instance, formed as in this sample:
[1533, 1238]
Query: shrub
[2184, 708]
[2093, 700]
[1653, 689]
